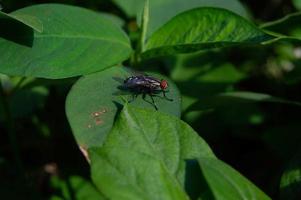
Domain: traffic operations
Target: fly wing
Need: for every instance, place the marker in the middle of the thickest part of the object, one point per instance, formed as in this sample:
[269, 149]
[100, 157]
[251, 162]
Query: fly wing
[141, 74]
[153, 82]
[152, 79]
[142, 80]
[135, 82]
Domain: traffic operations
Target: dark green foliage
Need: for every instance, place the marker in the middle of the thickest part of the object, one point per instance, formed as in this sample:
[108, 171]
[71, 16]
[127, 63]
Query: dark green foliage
[231, 131]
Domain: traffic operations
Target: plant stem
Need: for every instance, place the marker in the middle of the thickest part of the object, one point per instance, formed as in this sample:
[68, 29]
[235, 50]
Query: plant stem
[145, 18]
[144, 23]
[9, 122]
[18, 85]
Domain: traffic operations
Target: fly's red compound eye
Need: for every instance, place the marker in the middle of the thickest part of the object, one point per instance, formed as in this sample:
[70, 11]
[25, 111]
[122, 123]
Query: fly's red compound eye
[163, 84]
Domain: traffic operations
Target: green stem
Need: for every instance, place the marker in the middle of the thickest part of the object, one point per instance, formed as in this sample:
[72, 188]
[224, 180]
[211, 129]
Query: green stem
[9, 122]
[145, 18]
[140, 46]
[18, 85]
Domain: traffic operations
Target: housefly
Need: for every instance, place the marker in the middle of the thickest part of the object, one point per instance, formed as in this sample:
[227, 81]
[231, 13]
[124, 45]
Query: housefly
[146, 85]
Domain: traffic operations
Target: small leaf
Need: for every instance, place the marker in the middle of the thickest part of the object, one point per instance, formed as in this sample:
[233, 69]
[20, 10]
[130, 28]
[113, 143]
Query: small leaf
[226, 183]
[203, 28]
[27, 20]
[297, 4]
[93, 102]
[290, 184]
[238, 97]
[143, 156]
[75, 187]
[25, 101]
[288, 25]
[75, 41]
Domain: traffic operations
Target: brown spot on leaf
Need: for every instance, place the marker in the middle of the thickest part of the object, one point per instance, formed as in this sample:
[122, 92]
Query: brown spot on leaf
[98, 121]
[97, 117]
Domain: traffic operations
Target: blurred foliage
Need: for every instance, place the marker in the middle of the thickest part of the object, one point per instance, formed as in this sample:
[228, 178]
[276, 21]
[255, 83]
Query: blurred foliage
[258, 139]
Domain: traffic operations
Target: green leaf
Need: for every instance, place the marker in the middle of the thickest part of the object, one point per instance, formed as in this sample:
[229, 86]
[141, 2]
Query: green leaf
[163, 11]
[33, 97]
[297, 4]
[130, 7]
[143, 156]
[159, 7]
[203, 28]
[113, 18]
[74, 41]
[93, 102]
[290, 184]
[238, 97]
[226, 183]
[26, 19]
[288, 25]
[199, 76]
[75, 187]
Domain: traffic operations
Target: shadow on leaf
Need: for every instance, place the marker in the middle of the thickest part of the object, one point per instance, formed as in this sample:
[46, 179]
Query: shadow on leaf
[16, 32]
[195, 183]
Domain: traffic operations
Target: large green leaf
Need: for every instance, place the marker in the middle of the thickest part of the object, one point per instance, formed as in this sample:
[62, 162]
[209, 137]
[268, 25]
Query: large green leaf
[144, 156]
[74, 41]
[94, 100]
[203, 28]
[226, 183]
[163, 11]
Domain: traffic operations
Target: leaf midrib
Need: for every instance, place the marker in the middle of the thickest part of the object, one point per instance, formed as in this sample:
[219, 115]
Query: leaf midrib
[81, 37]
[198, 43]
[154, 149]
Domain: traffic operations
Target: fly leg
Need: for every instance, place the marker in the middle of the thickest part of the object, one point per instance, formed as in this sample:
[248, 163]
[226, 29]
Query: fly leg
[134, 96]
[153, 101]
[164, 94]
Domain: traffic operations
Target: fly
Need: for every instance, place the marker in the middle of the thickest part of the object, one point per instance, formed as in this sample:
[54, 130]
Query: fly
[146, 85]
